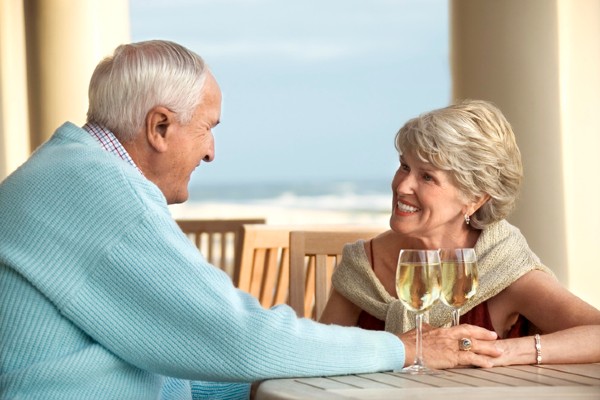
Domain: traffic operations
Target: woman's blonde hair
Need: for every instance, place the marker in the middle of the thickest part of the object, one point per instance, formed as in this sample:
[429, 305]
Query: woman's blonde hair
[474, 142]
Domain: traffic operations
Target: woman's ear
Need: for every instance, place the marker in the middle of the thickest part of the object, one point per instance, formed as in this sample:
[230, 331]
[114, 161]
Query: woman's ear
[158, 122]
[477, 203]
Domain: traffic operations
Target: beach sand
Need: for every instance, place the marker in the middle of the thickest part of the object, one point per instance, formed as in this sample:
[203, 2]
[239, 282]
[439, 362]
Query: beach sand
[279, 215]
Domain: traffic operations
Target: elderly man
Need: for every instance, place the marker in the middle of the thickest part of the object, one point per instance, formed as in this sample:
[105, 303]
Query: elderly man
[102, 296]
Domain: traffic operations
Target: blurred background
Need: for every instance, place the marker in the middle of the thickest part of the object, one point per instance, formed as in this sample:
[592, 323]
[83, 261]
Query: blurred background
[314, 91]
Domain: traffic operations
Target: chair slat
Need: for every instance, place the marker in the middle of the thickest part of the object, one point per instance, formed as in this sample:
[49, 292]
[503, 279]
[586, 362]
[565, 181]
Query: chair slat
[313, 256]
[269, 283]
[219, 240]
[264, 264]
[258, 269]
[283, 282]
[308, 289]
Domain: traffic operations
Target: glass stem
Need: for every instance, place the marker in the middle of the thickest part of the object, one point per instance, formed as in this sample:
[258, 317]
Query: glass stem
[419, 355]
[455, 316]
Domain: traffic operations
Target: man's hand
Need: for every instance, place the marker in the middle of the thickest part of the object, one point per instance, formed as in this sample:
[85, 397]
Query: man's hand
[441, 350]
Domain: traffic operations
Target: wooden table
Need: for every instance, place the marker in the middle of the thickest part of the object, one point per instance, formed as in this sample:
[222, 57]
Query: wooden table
[575, 381]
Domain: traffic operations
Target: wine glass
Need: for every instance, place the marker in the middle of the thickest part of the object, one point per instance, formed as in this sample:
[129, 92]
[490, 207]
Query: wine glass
[418, 287]
[459, 278]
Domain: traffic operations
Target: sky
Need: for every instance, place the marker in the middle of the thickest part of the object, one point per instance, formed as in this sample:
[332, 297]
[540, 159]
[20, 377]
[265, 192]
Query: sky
[313, 90]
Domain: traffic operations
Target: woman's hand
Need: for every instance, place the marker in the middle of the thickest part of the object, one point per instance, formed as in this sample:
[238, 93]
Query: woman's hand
[441, 347]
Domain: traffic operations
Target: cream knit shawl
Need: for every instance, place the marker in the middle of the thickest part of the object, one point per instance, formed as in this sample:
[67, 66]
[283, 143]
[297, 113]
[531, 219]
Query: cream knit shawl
[503, 257]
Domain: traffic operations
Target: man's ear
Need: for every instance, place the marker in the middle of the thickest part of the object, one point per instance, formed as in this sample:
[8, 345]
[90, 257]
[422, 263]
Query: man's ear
[158, 122]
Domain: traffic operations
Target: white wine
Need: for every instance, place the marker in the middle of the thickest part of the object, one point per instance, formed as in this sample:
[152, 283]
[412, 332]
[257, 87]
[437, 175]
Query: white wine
[418, 285]
[459, 282]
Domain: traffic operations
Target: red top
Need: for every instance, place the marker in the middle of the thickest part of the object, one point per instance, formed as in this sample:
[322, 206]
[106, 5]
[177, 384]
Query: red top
[479, 315]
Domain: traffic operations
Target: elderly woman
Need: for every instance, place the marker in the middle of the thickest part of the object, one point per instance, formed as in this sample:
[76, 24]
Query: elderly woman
[459, 176]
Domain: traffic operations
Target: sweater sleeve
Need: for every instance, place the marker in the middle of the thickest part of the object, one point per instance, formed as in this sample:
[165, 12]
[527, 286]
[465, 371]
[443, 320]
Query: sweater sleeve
[156, 303]
[219, 390]
[124, 304]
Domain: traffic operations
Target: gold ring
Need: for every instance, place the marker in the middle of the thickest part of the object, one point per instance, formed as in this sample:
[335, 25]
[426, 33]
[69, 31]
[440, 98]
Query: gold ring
[465, 344]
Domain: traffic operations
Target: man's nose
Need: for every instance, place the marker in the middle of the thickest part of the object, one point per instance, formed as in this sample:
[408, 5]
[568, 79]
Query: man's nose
[210, 155]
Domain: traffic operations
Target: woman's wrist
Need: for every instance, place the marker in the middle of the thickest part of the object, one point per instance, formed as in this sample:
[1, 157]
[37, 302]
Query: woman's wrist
[538, 348]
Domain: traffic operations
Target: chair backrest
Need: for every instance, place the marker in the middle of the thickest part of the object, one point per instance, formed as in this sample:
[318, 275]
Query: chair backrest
[219, 240]
[264, 263]
[313, 256]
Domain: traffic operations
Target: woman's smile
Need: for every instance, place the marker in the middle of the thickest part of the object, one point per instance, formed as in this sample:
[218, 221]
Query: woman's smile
[404, 208]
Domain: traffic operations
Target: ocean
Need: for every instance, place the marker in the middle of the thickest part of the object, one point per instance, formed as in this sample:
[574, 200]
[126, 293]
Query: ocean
[294, 202]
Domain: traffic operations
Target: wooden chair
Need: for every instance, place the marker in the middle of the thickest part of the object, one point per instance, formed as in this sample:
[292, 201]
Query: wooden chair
[219, 240]
[313, 256]
[264, 263]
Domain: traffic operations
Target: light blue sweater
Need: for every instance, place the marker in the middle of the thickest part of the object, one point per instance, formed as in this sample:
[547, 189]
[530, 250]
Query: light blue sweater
[102, 296]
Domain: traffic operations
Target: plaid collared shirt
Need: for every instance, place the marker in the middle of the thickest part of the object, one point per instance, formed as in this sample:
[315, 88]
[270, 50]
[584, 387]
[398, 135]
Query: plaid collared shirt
[109, 142]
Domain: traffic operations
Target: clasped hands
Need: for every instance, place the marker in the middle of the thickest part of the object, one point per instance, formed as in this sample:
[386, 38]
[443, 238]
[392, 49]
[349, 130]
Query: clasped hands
[447, 347]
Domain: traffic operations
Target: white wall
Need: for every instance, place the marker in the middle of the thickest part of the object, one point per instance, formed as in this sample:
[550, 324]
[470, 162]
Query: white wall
[539, 61]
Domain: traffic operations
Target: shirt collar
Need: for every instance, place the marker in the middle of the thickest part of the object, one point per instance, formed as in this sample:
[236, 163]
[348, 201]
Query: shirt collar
[109, 142]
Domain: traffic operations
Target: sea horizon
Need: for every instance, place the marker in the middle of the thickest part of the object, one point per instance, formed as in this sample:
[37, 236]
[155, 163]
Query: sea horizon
[331, 201]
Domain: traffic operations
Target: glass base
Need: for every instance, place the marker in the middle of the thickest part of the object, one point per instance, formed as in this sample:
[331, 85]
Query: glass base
[417, 369]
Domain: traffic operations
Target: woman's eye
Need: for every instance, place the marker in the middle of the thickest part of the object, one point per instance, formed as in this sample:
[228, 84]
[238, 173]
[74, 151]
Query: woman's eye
[404, 167]
[427, 177]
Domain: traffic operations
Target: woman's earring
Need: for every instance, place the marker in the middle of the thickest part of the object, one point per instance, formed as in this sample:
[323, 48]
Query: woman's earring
[467, 219]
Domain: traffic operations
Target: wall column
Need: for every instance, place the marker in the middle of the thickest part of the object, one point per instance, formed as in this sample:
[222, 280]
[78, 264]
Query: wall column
[65, 40]
[14, 120]
[579, 66]
[538, 60]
